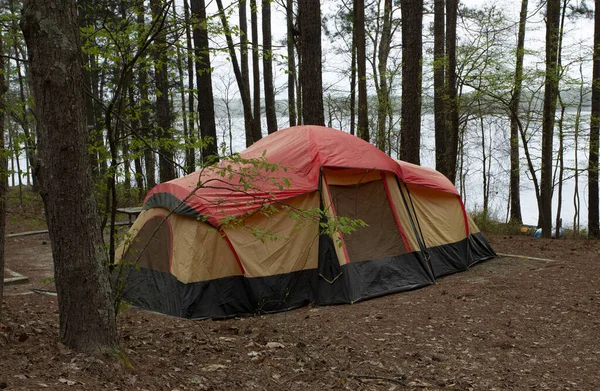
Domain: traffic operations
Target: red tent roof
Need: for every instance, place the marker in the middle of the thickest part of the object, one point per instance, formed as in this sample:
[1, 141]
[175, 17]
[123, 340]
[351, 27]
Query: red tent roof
[303, 151]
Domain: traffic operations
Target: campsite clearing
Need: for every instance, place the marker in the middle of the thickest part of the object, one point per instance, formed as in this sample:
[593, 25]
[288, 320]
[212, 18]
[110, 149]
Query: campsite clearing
[506, 324]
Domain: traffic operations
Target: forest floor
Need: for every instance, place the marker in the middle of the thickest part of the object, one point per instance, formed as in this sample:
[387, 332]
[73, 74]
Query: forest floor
[506, 324]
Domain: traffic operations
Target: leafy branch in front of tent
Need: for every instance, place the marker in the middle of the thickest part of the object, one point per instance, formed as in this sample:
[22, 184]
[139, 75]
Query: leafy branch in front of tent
[256, 181]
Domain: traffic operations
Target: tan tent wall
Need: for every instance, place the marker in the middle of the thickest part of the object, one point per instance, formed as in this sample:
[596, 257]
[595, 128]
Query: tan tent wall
[199, 251]
[288, 244]
[401, 211]
[473, 228]
[440, 215]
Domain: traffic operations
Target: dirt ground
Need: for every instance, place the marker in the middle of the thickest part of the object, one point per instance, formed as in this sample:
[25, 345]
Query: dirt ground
[507, 324]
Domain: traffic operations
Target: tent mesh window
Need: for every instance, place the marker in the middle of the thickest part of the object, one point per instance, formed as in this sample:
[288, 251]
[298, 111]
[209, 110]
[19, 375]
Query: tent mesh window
[368, 202]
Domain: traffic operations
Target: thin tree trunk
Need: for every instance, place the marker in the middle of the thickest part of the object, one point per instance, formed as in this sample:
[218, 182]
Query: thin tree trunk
[353, 88]
[3, 171]
[52, 36]
[593, 218]
[550, 93]
[309, 19]
[452, 102]
[361, 59]
[191, 155]
[439, 98]
[576, 200]
[291, 62]
[243, 84]
[166, 165]
[255, 71]
[515, 171]
[206, 103]
[270, 110]
[412, 53]
[383, 107]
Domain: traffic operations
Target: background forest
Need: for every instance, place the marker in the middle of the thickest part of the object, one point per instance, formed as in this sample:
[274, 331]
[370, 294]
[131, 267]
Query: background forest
[459, 86]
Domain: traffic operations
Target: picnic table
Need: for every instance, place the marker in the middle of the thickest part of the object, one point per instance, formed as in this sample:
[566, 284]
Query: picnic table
[131, 212]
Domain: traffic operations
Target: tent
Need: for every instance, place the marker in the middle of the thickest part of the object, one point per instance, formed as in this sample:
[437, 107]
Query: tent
[270, 230]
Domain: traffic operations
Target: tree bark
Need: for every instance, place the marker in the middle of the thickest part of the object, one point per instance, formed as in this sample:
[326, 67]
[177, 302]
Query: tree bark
[206, 103]
[190, 71]
[550, 93]
[255, 69]
[593, 217]
[270, 110]
[451, 87]
[515, 171]
[166, 167]
[383, 96]
[361, 60]
[86, 314]
[353, 88]
[309, 19]
[3, 171]
[291, 63]
[412, 53]
[439, 93]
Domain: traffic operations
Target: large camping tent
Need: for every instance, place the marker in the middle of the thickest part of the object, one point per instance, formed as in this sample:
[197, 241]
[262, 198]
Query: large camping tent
[268, 231]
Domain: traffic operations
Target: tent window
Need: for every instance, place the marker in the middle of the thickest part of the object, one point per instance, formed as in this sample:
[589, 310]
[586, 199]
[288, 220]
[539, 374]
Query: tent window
[368, 202]
[151, 248]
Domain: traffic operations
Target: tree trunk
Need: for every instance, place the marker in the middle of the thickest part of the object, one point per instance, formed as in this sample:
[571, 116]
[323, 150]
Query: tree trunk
[166, 166]
[240, 77]
[146, 130]
[383, 107]
[452, 102]
[311, 84]
[412, 53]
[353, 88]
[439, 98]
[361, 59]
[188, 133]
[248, 116]
[593, 218]
[257, 129]
[550, 93]
[291, 62]
[190, 73]
[270, 109]
[515, 171]
[3, 172]
[86, 314]
[206, 103]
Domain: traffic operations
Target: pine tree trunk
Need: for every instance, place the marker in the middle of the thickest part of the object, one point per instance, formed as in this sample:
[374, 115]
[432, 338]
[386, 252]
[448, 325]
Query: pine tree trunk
[550, 93]
[270, 110]
[3, 172]
[439, 92]
[353, 88]
[361, 59]
[190, 76]
[257, 128]
[383, 107]
[291, 63]
[412, 53]
[593, 217]
[166, 166]
[245, 69]
[206, 103]
[86, 313]
[515, 171]
[309, 19]
[452, 102]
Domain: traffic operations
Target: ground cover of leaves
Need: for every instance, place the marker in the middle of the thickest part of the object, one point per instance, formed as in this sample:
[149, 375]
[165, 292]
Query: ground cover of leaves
[506, 324]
